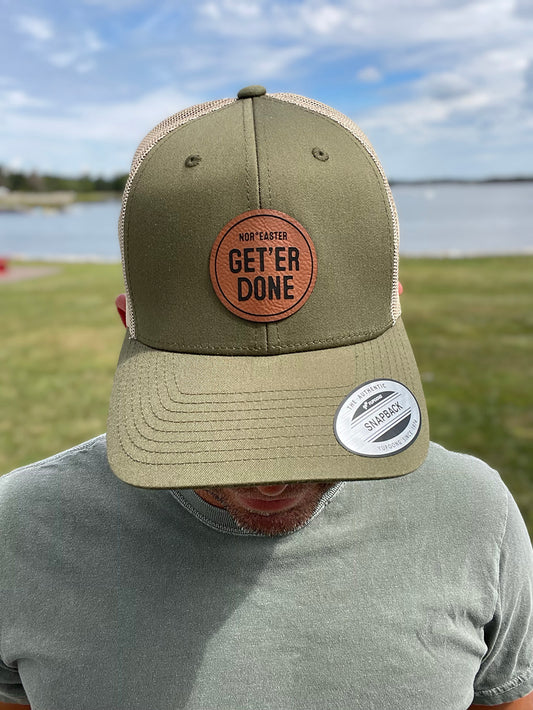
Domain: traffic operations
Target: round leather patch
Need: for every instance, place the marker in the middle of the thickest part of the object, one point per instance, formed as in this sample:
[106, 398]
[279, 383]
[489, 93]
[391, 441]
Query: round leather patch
[263, 265]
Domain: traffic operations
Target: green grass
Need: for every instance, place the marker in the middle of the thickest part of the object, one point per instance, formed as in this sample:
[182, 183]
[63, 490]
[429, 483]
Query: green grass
[470, 323]
[59, 346]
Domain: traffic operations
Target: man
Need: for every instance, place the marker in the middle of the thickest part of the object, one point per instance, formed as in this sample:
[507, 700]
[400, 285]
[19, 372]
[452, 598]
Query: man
[279, 532]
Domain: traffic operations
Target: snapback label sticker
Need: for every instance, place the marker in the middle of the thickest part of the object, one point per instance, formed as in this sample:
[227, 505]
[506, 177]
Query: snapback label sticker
[263, 265]
[379, 418]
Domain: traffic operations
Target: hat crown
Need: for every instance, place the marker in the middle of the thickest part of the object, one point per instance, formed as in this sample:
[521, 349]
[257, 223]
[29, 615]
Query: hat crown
[200, 169]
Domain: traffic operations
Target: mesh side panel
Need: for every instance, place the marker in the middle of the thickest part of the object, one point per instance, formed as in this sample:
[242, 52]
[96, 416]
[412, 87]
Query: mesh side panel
[145, 146]
[354, 129]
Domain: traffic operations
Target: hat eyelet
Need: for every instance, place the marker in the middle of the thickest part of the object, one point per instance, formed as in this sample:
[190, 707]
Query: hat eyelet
[320, 154]
[192, 161]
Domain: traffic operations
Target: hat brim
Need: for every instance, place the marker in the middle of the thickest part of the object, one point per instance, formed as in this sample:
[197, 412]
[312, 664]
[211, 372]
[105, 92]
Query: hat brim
[181, 420]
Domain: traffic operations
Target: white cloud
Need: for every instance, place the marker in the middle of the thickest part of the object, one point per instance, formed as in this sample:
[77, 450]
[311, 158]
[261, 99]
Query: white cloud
[325, 19]
[63, 59]
[91, 42]
[17, 99]
[471, 121]
[243, 8]
[269, 65]
[369, 75]
[387, 26]
[77, 51]
[213, 65]
[235, 8]
[38, 28]
[116, 5]
[114, 128]
[85, 67]
[434, 71]
[101, 136]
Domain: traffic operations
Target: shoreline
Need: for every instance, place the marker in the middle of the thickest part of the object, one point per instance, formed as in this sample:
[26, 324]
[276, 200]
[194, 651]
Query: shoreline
[98, 259]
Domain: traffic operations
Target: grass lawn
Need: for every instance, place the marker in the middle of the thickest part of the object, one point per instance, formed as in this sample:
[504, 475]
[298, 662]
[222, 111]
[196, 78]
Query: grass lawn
[470, 322]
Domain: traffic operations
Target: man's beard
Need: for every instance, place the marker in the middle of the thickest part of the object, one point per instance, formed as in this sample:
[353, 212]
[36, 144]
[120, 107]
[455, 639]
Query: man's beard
[285, 521]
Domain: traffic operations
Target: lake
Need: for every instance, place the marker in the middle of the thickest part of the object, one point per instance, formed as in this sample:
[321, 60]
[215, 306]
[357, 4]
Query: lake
[435, 220]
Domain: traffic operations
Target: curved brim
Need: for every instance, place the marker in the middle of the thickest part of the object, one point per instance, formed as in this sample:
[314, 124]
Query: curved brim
[181, 420]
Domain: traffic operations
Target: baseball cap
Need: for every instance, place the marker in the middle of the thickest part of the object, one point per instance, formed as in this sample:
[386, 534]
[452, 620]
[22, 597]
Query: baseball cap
[265, 342]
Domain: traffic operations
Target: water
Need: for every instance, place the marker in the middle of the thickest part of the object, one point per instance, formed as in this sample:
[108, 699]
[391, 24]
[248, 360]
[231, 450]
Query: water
[435, 220]
[449, 220]
[85, 231]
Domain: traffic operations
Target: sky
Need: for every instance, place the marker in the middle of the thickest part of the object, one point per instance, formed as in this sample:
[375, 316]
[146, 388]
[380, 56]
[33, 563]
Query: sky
[443, 88]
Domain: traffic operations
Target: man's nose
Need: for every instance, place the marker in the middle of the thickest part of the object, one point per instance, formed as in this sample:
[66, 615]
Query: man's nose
[272, 491]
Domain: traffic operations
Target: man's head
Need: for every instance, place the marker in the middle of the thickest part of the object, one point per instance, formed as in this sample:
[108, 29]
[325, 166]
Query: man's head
[265, 345]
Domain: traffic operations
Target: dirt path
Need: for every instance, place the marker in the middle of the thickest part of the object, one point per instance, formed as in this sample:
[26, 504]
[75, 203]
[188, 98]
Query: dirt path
[20, 273]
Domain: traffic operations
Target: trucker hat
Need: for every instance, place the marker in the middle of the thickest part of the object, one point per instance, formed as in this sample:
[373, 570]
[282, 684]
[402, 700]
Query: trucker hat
[265, 344]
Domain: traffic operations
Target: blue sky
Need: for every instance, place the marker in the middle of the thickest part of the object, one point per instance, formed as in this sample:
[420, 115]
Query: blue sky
[443, 88]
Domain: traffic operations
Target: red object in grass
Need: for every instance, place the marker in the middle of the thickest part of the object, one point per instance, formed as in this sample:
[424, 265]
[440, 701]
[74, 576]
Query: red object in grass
[3, 266]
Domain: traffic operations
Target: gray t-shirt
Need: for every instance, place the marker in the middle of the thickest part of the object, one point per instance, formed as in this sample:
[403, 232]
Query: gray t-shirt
[411, 593]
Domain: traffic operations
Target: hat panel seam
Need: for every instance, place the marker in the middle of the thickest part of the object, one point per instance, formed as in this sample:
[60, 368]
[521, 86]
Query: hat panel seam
[133, 189]
[246, 165]
[268, 176]
[257, 334]
[263, 329]
[348, 337]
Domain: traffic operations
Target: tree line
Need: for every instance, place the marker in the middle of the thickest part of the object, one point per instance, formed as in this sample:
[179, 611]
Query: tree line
[35, 182]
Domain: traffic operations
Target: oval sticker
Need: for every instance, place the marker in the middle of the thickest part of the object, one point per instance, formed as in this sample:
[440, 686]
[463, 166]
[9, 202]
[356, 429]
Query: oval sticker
[263, 265]
[379, 418]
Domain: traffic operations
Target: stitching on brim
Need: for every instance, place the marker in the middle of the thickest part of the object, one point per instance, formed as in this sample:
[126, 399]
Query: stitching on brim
[243, 419]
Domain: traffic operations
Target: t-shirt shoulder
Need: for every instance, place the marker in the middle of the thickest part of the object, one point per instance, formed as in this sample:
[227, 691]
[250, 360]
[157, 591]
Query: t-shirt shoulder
[88, 456]
[463, 492]
[57, 460]
[464, 473]
[462, 463]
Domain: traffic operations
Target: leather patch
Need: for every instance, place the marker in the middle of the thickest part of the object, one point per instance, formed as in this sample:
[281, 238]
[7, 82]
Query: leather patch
[263, 265]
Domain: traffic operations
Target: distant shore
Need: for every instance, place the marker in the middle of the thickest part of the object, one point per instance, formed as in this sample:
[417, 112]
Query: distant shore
[440, 219]
[451, 254]
[22, 200]
[26, 199]
[463, 181]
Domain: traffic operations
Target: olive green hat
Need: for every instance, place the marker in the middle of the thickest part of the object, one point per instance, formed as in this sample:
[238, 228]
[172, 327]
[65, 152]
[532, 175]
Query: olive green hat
[259, 242]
